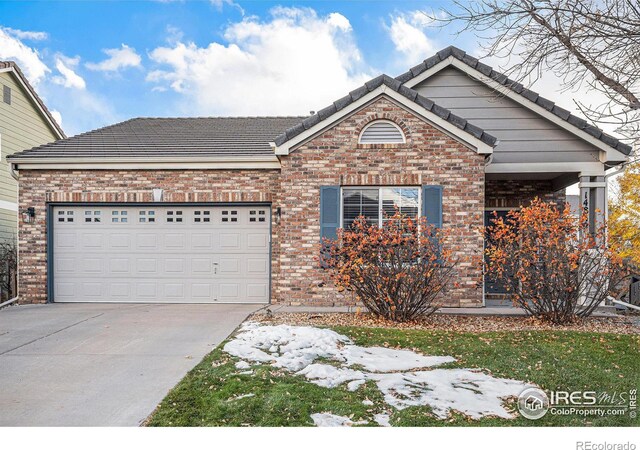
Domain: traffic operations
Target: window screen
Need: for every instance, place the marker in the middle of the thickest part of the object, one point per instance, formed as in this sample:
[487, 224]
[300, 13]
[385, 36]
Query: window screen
[376, 204]
[360, 202]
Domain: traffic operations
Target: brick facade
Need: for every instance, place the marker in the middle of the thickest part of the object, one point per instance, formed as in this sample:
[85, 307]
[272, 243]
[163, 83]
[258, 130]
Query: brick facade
[333, 158]
[39, 187]
[516, 193]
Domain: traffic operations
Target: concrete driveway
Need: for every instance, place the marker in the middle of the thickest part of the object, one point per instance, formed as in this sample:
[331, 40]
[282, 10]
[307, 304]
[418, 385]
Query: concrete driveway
[101, 364]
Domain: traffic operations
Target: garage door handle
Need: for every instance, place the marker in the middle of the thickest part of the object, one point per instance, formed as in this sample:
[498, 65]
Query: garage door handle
[215, 268]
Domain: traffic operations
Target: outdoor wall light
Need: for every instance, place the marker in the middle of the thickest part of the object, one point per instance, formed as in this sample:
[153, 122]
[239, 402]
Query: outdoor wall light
[278, 214]
[29, 215]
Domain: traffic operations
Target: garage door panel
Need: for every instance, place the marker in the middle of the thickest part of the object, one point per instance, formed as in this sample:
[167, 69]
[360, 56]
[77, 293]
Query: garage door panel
[189, 254]
[65, 240]
[256, 291]
[229, 240]
[92, 265]
[257, 241]
[202, 241]
[257, 266]
[146, 241]
[118, 265]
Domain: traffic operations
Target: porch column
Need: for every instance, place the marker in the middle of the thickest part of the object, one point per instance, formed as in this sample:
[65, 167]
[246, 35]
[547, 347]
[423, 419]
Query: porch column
[593, 199]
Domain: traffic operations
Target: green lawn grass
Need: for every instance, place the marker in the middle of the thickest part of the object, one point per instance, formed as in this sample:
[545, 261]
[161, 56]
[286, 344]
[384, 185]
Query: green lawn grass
[554, 360]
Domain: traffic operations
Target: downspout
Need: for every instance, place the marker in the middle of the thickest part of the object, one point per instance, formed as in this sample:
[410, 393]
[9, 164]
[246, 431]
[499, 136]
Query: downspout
[620, 169]
[8, 302]
[13, 172]
[487, 160]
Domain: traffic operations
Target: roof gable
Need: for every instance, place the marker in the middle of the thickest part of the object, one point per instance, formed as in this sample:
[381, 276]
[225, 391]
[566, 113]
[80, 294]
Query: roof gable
[12, 67]
[516, 91]
[384, 85]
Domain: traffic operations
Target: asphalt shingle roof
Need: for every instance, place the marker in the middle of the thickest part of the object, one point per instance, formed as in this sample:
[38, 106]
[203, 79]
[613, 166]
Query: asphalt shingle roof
[397, 87]
[517, 88]
[186, 137]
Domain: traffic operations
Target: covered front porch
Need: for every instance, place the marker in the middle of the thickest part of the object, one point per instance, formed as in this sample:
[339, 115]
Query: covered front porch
[507, 191]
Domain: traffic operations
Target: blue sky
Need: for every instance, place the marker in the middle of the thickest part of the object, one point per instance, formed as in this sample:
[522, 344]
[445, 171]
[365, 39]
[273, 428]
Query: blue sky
[97, 63]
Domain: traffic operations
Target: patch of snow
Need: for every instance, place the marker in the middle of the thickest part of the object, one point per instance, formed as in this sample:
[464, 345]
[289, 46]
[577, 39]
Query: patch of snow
[296, 349]
[292, 348]
[367, 402]
[471, 392]
[381, 359]
[241, 365]
[382, 419]
[246, 372]
[333, 420]
[329, 376]
[355, 384]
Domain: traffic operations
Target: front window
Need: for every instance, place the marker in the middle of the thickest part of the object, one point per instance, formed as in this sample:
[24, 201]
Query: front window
[376, 204]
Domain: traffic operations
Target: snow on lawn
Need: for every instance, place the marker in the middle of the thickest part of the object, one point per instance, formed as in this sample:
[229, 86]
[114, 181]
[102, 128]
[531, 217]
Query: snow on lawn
[332, 420]
[395, 372]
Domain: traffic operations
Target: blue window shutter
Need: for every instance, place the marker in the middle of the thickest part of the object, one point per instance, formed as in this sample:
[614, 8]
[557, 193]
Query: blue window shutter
[329, 211]
[432, 204]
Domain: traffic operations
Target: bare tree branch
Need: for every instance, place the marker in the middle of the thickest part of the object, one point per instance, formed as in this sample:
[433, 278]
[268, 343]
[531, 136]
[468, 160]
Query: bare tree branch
[592, 42]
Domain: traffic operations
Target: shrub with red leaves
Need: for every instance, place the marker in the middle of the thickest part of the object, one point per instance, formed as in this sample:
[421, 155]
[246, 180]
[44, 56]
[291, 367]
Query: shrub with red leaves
[398, 271]
[551, 265]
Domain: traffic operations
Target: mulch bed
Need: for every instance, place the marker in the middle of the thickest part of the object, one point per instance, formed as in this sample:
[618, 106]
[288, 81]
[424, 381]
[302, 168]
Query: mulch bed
[469, 324]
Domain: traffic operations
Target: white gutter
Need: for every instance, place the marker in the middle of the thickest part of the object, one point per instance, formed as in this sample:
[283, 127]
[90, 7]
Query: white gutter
[126, 159]
[141, 163]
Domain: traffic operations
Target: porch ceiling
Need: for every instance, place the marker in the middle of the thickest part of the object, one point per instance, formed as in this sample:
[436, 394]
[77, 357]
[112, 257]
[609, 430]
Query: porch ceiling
[559, 180]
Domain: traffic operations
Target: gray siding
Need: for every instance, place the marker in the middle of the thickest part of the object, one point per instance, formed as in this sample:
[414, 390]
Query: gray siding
[523, 135]
[21, 127]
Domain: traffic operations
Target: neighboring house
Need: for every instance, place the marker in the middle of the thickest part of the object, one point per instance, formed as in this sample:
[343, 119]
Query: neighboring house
[24, 123]
[233, 209]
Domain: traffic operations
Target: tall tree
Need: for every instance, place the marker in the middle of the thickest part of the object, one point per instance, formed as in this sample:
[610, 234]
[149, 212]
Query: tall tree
[624, 215]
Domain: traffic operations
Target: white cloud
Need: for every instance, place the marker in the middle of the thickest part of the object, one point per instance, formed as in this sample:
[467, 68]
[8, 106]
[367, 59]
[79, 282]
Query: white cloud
[220, 3]
[26, 35]
[118, 58]
[11, 48]
[68, 78]
[407, 32]
[57, 116]
[174, 34]
[293, 62]
[82, 109]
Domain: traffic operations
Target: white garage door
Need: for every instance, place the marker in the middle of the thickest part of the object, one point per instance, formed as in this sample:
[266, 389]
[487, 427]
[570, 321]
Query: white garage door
[151, 254]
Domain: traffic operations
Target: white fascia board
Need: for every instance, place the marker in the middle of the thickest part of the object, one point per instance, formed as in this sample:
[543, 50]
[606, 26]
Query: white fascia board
[34, 101]
[453, 131]
[11, 206]
[593, 168]
[611, 153]
[135, 163]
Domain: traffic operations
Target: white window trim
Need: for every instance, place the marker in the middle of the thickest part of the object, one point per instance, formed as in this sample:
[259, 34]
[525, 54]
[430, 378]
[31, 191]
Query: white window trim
[395, 125]
[380, 216]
